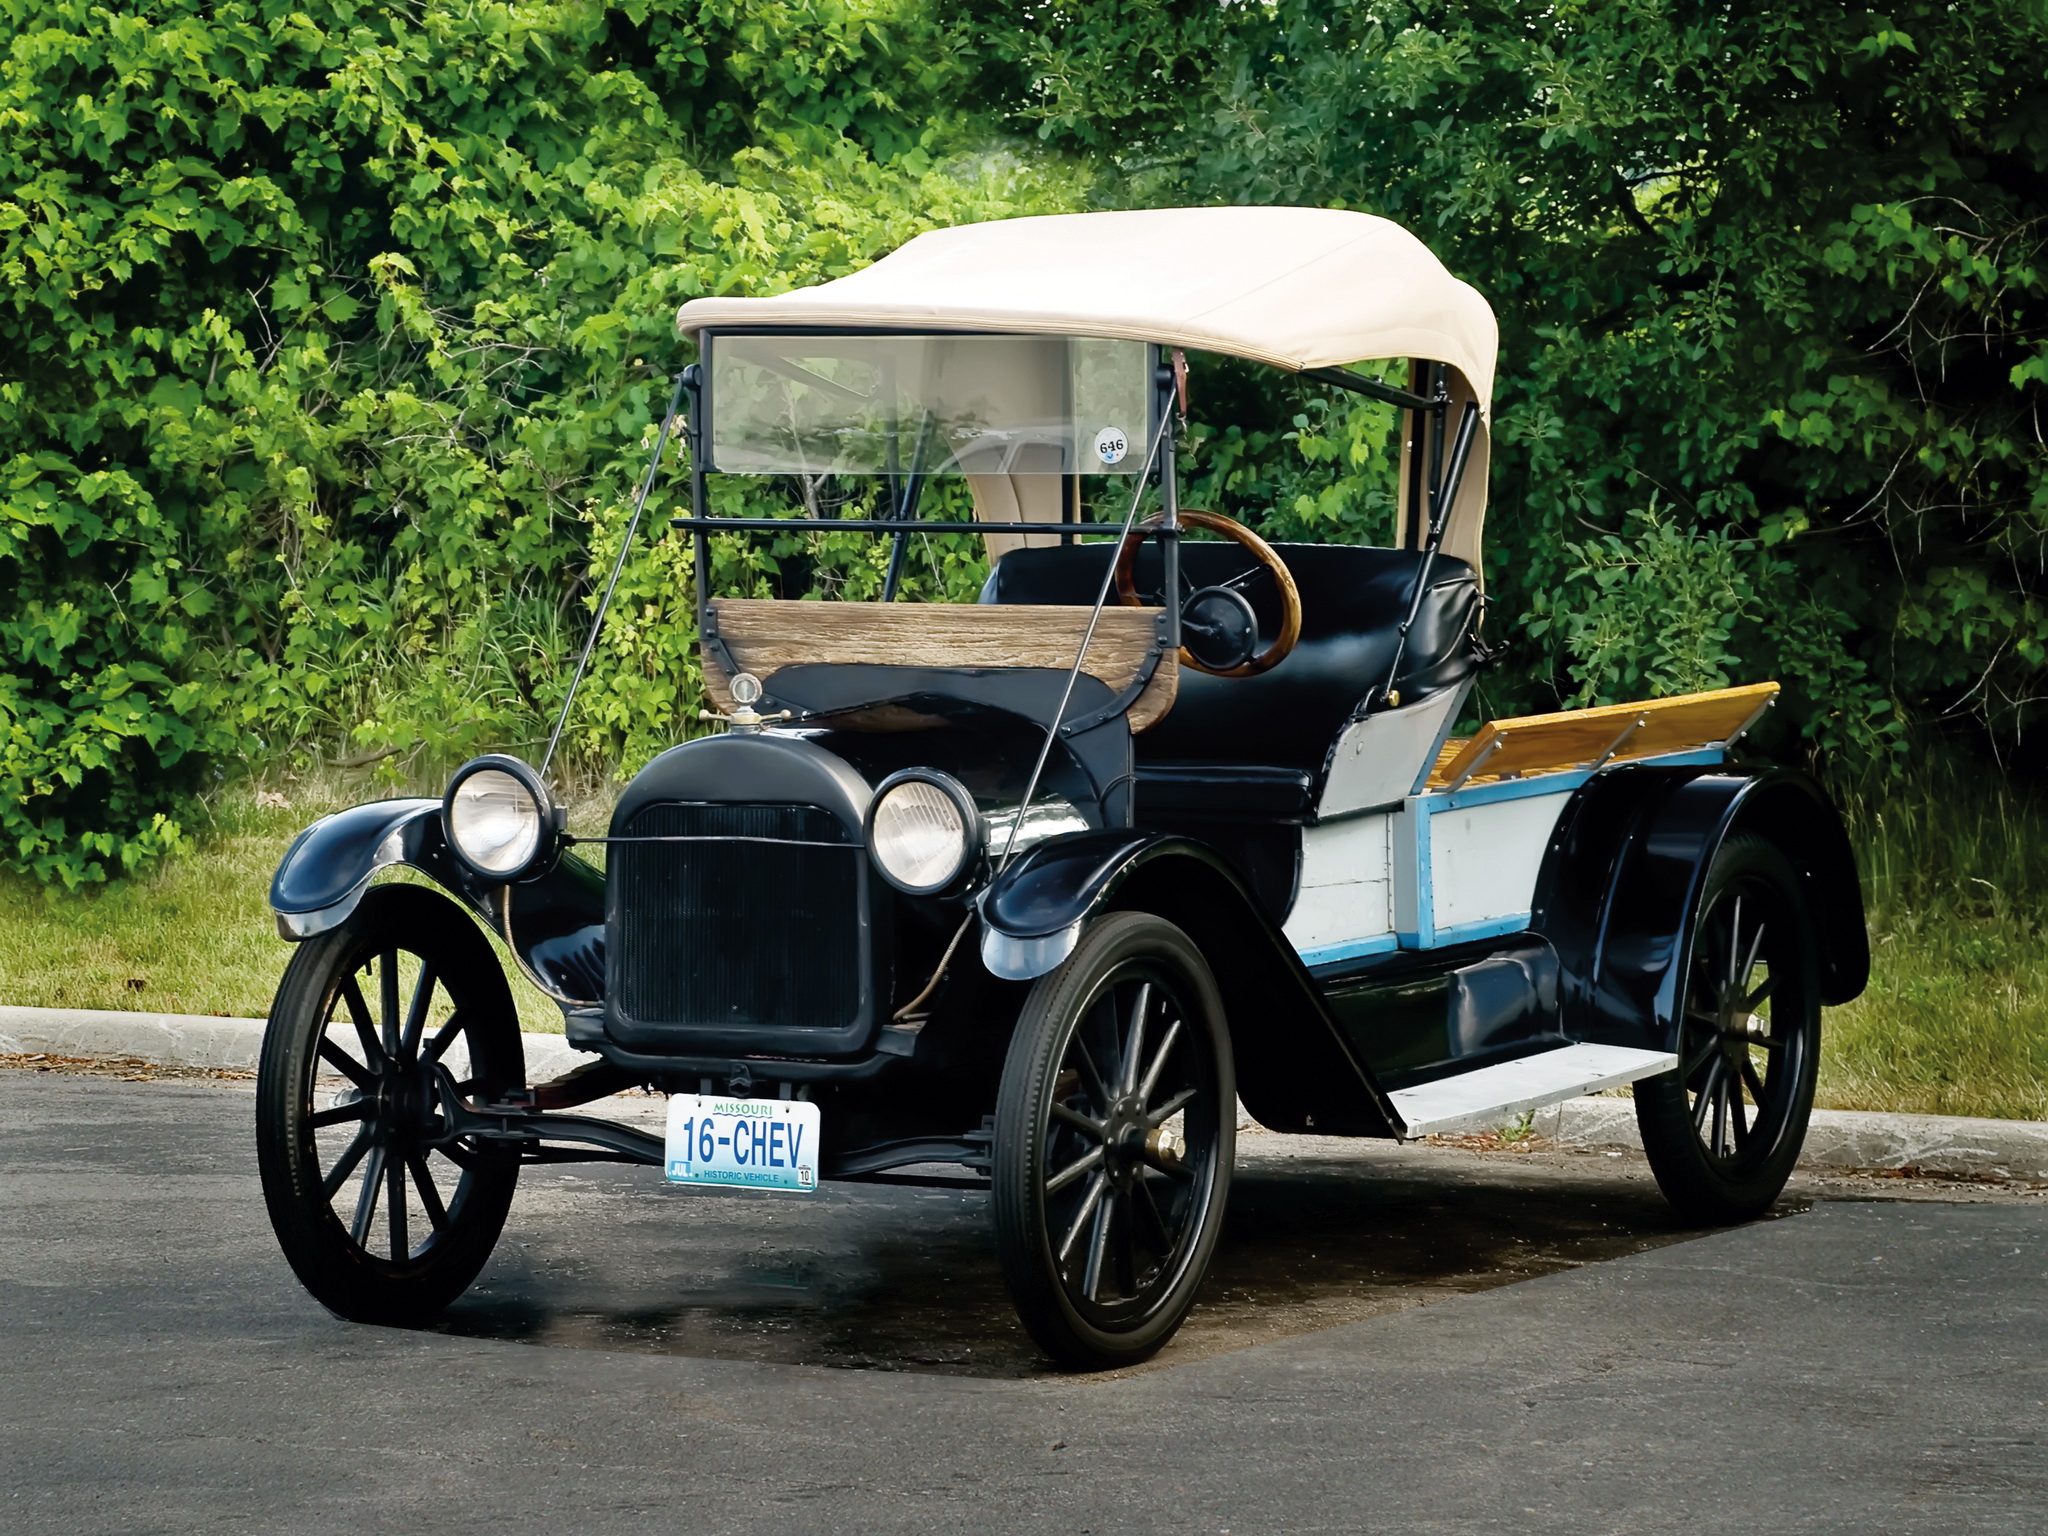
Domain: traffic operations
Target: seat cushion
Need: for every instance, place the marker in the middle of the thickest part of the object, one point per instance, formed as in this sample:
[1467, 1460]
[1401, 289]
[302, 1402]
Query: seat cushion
[1353, 600]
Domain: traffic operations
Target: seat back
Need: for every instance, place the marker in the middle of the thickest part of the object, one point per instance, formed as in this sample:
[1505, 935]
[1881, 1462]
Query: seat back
[1353, 599]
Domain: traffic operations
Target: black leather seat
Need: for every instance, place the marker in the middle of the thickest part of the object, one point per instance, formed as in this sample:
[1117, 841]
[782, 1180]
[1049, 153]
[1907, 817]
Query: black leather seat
[1256, 748]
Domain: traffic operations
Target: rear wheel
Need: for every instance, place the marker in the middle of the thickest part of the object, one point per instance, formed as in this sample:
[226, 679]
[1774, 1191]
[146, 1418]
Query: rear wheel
[383, 1217]
[1724, 1129]
[1115, 1130]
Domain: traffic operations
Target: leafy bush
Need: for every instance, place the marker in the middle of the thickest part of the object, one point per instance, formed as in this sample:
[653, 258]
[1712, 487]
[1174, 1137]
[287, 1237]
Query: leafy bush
[1780, 268]
[335, 334]
[335, 337]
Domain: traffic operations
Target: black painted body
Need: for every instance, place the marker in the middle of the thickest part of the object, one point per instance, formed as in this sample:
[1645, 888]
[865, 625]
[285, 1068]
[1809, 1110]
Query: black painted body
[1210, 842]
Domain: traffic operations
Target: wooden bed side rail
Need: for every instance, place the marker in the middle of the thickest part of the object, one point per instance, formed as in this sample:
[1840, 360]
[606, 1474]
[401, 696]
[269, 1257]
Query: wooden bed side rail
[1588, 738]
[765, 635]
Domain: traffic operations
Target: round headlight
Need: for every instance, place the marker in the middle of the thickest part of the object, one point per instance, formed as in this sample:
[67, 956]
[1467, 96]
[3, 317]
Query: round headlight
[923, 831]
[498, 817]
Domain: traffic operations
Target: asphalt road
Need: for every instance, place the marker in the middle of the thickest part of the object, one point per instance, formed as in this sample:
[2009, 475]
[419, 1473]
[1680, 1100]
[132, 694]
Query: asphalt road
[1414, 1341]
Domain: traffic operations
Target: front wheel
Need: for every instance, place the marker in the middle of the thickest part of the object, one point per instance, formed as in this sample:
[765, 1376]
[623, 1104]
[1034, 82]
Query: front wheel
[1115, 1131]
[383, 1216]
[1723, 1130]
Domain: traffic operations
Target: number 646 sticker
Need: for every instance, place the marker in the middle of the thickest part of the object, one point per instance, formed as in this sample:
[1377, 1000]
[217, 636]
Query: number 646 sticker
[1111, 445]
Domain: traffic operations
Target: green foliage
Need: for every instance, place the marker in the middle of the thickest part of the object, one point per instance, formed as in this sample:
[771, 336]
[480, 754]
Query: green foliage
[1650, 616]
[334, 340]
[1667, 609]
[333, 337]
[1780, 268]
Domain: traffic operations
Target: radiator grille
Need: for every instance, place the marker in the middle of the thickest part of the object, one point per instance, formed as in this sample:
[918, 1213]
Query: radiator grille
[726, 934]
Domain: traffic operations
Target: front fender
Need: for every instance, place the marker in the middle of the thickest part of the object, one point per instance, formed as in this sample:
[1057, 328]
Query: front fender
[329, 865]
[1623, 875]
[1032, 912]
[553, 924]
[1296, 1070]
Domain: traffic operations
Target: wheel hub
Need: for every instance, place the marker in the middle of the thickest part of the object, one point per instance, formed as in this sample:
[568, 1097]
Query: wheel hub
[403, 1104]
[1738, 1028]
[1131, 1140]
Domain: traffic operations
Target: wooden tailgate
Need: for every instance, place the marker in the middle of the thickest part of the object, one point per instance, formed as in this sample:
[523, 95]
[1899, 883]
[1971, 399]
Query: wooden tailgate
[1581, 738]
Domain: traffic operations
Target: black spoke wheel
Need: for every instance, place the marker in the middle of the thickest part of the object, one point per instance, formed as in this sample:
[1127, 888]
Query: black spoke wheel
[1724, 1129]
[383, 1216]
[1115, 1130]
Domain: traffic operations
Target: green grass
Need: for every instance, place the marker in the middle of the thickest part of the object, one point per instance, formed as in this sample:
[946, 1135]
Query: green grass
[1955, 1022]
[196, 936]
[1955, 872]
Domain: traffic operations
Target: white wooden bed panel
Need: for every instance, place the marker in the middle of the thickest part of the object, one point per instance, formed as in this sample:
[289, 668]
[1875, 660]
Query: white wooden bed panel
[1345, 890]
[1484, 859]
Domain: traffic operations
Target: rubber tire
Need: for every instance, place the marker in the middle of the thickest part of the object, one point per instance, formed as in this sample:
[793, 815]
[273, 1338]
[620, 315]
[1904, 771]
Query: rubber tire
[1048, 1019]
[359, 1286]
[1699, 1190]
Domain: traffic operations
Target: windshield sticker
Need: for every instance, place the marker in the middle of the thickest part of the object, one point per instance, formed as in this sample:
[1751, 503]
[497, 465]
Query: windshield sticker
[1111, 445]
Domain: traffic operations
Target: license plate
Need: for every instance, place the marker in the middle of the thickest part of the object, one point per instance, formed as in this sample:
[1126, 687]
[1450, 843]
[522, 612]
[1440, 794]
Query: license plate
[742, 1143]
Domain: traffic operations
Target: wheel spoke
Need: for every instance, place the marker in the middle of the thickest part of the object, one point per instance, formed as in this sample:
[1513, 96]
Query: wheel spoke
[1173, 1106]
[1756, 944]
[394, 1182]
[416, 1015]
[1096, 1086]
[363, 1077]
[461, 1156]
[340, 1114]
[1749, 1003]
[1092, 1158]
[1150, 1208]
[388, 997]
[1088, 1203]
[366, 1029]
[1705, 1099]
[1126, 1247]
[1134, 1040]
[1756, 1084]
[444, 1037]
[1098, 1249]
[1707, 1048]
[1152, 1073]
[430, 1197]
[1734, 943]
[1736, 1116]
[366, 1202]
[338, 1175]
[1078, 1121]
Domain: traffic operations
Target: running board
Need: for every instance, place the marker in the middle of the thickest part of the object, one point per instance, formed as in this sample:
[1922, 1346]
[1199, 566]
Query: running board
[1491, 1096]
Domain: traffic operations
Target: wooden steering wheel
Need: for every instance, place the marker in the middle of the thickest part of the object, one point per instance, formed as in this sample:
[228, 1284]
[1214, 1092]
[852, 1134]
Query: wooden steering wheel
[1264, 553]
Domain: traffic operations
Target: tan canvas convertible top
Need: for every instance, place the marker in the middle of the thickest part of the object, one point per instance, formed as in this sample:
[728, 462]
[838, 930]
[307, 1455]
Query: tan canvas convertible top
[1297, 288]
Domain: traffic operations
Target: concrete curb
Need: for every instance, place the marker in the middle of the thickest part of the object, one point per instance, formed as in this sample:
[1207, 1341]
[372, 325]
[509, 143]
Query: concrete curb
[1952, 1145]
[189, 1040]
[1935, 1144]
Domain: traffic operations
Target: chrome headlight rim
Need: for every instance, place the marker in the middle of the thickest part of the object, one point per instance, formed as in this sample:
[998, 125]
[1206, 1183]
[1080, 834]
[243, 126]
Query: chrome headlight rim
[547, 842]
[974, 834]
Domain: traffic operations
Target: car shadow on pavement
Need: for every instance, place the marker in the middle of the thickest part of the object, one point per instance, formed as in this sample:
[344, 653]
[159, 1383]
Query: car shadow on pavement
[1321, 1233]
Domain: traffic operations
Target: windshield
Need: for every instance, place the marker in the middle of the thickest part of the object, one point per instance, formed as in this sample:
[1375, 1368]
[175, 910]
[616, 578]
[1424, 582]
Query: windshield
[928, 405]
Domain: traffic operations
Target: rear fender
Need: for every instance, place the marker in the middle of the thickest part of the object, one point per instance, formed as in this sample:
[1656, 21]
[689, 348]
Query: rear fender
[1623, 875]
[1296, 1071]
[553, 924]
